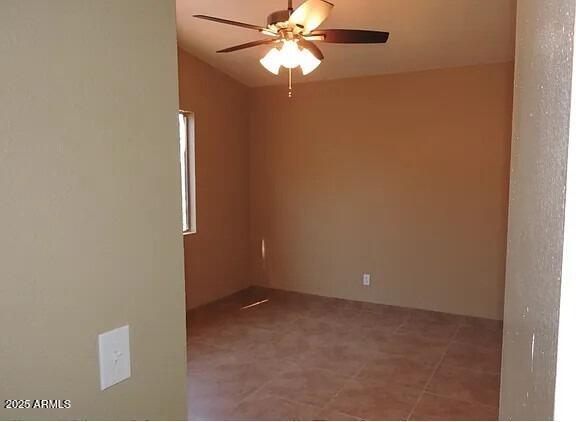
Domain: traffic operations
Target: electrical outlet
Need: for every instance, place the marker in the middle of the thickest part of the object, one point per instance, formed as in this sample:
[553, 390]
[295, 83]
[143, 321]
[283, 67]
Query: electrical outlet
[366, 279]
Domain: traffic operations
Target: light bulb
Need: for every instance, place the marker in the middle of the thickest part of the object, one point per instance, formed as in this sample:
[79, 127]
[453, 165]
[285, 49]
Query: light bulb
[272, 61]
[308, 62]
[290, 54]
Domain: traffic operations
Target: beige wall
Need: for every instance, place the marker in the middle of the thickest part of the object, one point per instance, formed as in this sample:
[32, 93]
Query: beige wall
[536, 272]
[90, 229]
[216, 256]
[401, 176]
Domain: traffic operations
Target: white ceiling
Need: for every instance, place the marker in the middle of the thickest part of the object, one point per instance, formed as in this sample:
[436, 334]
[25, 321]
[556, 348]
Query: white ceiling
[424, 34]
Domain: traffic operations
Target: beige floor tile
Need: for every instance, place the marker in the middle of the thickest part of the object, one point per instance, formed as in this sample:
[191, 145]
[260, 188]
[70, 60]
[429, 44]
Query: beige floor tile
[436, 408]
[436, 329]
[272, 408]
[480, 336]
[238, 336]
[477, 358]
[466, 385]
[333, 415]
[344, 359]
[375, 401]
[491, 324]
[304, 357]
[398, 370]
[232, 380]
[305, 385]
[205, 358]
[210, 408]
[267, 316]
[419, 348]
[422, 315]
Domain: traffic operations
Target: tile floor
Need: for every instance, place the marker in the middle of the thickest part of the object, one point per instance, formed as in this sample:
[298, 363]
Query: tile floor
[303, 357]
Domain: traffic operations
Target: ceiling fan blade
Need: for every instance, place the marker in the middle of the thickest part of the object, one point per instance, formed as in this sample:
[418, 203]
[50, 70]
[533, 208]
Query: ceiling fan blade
[313, 48]
[249, 45]
[350, 36]
[229, 22]
[310, 14]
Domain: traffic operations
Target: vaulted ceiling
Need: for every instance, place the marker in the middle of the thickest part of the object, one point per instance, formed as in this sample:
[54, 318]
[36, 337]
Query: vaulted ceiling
[424, 34]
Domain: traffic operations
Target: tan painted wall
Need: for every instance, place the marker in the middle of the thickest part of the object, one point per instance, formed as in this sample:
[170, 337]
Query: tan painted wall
[535, 273]
[216, 256]
[401, 176]
[90, 229]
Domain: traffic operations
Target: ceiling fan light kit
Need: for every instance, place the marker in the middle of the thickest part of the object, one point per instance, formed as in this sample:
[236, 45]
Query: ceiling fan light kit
[293, 32]
[290, 56]
[272, 61]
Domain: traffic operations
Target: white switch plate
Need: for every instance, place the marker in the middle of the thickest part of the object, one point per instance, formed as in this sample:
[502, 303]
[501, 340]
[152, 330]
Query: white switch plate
[366, 279]
[114, 356]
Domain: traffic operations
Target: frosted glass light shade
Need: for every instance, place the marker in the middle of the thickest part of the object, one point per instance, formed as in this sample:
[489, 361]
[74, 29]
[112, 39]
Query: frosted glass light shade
[272, 61]
[308, 62]
[290, 54]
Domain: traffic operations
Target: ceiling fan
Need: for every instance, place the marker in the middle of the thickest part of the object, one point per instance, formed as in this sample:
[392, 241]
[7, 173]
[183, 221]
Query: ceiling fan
[295, 32]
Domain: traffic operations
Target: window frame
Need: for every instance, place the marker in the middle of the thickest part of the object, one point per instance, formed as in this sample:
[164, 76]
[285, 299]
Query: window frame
[186, 127]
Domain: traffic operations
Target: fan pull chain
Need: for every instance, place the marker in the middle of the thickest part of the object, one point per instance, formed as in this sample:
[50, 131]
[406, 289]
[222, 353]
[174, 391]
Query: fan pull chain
[289, 83]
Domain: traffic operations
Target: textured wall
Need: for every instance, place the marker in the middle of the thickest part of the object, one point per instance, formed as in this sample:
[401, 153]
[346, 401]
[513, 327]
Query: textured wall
[537, 195]
[216, 256]
[90, 229]
[566, 364]
[401, 176]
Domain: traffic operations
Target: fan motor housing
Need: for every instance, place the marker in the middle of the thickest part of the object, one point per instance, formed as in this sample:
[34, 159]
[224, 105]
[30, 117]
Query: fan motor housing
[278, 16]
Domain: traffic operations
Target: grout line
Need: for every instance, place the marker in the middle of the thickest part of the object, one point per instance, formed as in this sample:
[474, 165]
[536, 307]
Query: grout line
[320, 407]
[478, 346]
[357, 374]
[265, 383]
[302, 315]
[402, 324]
[251, 395]
[298, 402]
[432, 374]
[477, 371]
[348, 381]
[331, 400]
[475, 403]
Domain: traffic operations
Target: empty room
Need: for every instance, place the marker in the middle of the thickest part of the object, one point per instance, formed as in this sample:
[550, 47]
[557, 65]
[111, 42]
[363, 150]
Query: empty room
[345, 238]
[287, 210]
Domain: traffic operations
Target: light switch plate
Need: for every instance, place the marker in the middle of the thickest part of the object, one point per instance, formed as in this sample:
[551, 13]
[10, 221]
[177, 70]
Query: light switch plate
[114, 356]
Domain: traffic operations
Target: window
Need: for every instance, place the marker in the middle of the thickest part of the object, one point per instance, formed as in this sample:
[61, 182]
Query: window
[187, 171]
